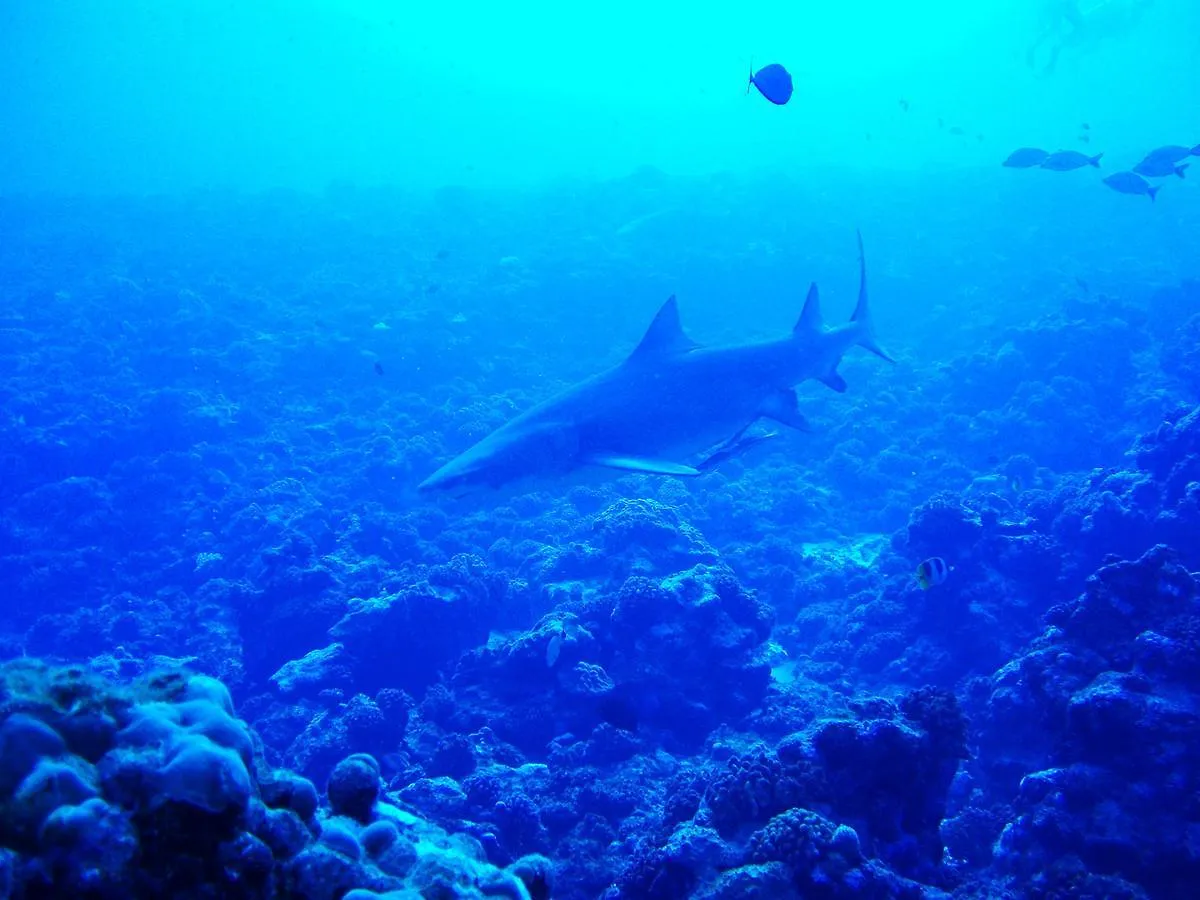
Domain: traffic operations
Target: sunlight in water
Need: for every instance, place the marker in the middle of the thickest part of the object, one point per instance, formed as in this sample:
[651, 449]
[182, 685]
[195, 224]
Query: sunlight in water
[309, 91]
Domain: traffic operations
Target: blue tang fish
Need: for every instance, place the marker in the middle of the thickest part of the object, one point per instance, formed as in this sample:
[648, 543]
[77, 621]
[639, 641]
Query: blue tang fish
[774, 82]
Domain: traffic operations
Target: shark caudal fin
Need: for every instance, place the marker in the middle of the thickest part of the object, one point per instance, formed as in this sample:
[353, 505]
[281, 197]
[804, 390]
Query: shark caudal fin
[862, 312]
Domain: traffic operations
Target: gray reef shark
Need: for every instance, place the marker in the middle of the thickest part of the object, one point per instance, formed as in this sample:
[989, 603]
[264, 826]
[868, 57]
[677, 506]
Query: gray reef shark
[669, 402]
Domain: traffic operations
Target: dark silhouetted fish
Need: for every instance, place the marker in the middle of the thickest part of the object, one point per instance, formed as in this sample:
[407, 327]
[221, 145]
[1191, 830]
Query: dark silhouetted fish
[378, 368]
[1026, 158]
[774, 82]
[1069, 160]
[1159, 167]
[1131, 183]
[1172, 153]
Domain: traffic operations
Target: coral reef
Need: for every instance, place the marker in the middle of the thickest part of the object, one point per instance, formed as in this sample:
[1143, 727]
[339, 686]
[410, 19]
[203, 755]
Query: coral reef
[154, 789]
[214, 415]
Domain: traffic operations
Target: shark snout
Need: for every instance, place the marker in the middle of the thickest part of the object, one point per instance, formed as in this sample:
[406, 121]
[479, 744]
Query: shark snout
[460, 476]
[442, 480]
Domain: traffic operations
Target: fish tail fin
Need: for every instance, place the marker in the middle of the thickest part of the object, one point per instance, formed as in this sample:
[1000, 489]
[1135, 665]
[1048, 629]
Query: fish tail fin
[864, 329]
[1095, 160]
[1180, 169]
[1152, 190]
[750, 80]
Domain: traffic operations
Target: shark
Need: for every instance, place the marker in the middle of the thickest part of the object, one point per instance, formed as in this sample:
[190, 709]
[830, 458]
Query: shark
[672, 407]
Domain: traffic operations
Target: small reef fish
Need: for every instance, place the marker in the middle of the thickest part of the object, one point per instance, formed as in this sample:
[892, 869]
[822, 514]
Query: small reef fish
[1026, 158]
[932, 572]
[1131, 183]
[995, 483]
[555, 644]
[1069, 160]
[774, 82]
[1159, 167]
[378, 368]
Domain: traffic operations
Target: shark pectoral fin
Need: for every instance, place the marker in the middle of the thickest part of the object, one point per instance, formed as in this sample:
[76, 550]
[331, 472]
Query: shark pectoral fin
[648, 466]
[833, 381]
[783, 408]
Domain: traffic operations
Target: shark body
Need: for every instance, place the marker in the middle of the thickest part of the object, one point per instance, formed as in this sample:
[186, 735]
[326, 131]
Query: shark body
[668, 403]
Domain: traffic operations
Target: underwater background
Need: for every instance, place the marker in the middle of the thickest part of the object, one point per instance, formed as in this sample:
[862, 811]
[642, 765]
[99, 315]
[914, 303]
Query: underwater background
[264, 267]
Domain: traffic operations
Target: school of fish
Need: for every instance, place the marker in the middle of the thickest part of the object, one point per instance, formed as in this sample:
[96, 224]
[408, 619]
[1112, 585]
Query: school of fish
[1161, 162]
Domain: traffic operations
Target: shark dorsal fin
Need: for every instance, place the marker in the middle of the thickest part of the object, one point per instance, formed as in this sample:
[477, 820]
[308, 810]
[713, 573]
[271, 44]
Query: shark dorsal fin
[665, 335]
[810, 321]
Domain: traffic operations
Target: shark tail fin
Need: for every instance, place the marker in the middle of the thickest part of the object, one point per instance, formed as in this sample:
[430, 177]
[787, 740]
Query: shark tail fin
[810, 321]
[862, 312]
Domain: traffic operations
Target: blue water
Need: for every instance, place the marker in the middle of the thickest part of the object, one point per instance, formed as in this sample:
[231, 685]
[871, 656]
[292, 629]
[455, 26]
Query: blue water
[265, 267]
